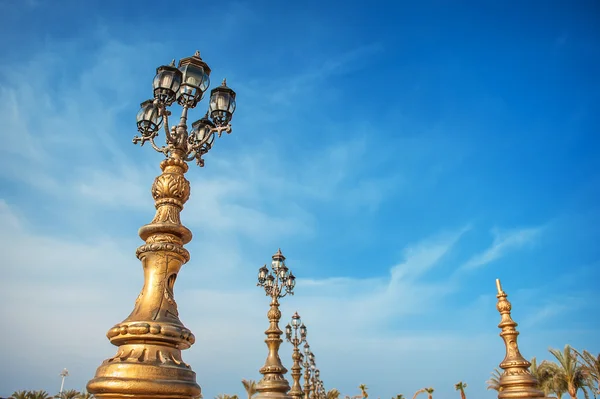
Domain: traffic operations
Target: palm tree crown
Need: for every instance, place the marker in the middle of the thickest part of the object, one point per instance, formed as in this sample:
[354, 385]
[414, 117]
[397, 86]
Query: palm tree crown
[569, 371]
[363, 390]
[494, 381]
[250, 386]
[460, 386]
[591, 367]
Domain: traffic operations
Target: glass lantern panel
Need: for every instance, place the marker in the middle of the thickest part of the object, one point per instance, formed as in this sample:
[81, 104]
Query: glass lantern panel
[276, 264]
[295, 321]
[270, 279]
[231, 106]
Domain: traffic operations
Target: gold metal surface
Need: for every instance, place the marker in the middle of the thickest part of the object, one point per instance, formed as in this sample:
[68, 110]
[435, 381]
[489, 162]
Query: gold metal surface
[306, 365]
[516, 381]
[296, 334]
[277, 283]
[148, 361]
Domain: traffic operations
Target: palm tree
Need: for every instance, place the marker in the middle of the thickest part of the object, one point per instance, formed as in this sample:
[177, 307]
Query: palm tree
[19, 395]
[429, 392]
[363, 390]
[494, 381]
[591, 366]
[38, 395]
[332, 394]
[70, 394]
[460, 386]
[85, 395]
[250, 386]
[418, 392]
[569, 370]
[225, 396]
[550, 379]
[400, 396]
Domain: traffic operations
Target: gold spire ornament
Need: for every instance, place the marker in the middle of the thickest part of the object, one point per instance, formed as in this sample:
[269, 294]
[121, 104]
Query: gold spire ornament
[277, 282]
[148, 361]
[516, 382]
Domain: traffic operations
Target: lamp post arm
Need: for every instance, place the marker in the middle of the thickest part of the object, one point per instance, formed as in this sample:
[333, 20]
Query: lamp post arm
[165, 113]
[163, 149]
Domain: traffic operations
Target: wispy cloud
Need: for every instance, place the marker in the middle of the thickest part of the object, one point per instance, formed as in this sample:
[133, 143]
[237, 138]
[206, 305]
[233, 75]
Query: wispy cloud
[504, 242]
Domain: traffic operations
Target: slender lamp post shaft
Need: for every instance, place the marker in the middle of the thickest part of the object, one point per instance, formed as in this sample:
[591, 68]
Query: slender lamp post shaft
[296, 334]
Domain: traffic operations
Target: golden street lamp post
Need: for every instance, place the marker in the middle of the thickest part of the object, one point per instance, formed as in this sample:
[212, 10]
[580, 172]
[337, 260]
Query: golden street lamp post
[292, 336]
[148, 362]
[277, 283]
[307, 364]
[321, 388]
[316, 383]
[313, 371]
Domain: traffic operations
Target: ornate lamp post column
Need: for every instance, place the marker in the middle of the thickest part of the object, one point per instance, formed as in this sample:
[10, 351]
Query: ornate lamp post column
[148, 362]
[296, 339]
[313, 371]
[316, 383]
[277, 283]
[516, 382]
[306, 365]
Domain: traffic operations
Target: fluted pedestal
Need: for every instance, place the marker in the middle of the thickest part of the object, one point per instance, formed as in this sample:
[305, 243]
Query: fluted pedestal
[273, 385]
[148, 362]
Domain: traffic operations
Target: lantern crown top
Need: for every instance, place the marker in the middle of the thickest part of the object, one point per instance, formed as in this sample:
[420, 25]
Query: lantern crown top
[278, 255]
[196, 61]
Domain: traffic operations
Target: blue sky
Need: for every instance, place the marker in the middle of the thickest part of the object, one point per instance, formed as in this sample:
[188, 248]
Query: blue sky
[402, 155]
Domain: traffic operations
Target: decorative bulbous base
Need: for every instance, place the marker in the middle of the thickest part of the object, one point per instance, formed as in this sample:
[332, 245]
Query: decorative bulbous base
[145, 371]
[519, 386]
[273, 388]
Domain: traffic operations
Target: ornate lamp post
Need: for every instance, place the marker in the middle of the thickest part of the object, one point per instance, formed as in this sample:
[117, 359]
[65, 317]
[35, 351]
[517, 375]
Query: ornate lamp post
[316, 383]
[277, 283]
[321, 389]
[148, 362]
[313, 372]
[296, 339]
[307, 369]
[516, 382]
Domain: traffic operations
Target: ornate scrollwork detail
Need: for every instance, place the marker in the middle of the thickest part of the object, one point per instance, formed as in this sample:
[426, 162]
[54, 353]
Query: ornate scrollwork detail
[274, 313]
[170, 238]
[163, 247]
[273, 369]
[171, 186]
[179, 333]
[147, 356]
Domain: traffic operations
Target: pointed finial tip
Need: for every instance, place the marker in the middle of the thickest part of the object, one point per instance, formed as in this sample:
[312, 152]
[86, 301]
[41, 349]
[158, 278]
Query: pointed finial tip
[224, 82]
[498, 286]
[172, 62]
